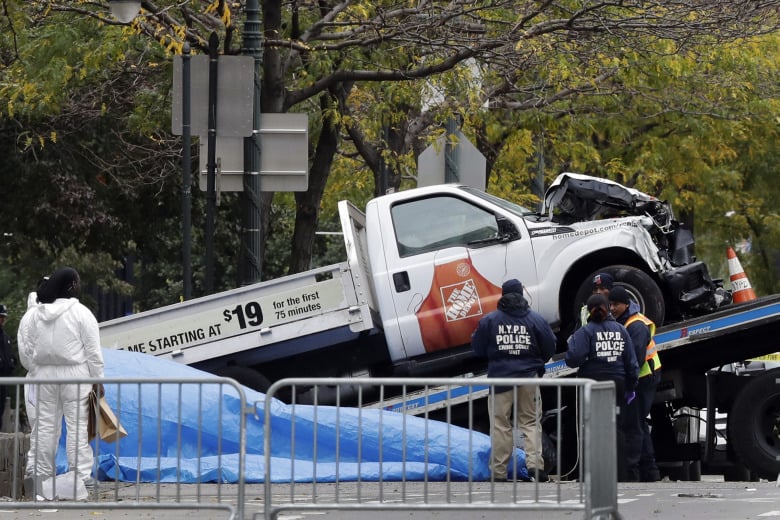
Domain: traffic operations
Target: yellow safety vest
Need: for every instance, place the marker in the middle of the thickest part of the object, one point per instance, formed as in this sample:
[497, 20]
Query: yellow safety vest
[652, 350]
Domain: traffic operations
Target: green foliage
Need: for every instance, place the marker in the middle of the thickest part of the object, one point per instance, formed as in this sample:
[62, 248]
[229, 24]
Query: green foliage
[96, 176]
[698, 129]
[96, 182]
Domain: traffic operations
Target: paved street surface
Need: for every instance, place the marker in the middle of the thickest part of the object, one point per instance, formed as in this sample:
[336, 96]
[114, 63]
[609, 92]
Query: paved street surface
[711, 499]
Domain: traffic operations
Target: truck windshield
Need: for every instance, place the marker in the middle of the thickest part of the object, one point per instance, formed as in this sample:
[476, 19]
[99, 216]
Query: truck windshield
[505, 204]
[439, 222]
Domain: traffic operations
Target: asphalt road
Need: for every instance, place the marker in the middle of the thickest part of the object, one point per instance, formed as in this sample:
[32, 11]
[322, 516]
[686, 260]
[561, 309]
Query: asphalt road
[706, 500]
[710, 499]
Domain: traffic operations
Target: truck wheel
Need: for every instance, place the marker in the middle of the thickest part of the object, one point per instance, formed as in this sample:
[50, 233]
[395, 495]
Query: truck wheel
[639, 285]
[754, 425]
[248, 377]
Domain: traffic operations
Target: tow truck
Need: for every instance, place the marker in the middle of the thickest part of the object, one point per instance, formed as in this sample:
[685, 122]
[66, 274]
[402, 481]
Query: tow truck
[424, 265]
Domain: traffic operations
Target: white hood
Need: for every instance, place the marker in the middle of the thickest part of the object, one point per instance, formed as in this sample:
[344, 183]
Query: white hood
[60, 333]
[52, 311]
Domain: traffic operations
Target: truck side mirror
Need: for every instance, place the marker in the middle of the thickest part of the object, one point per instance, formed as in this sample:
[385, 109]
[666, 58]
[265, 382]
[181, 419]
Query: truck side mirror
[506, 230]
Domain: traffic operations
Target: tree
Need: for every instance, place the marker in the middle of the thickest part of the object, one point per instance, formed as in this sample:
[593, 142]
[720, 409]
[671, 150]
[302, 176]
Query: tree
[539, 63]
[325, 48]
[90, 177]
[703, 141]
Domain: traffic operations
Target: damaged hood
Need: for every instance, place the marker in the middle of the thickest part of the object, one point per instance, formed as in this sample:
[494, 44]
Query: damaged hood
[575, 197]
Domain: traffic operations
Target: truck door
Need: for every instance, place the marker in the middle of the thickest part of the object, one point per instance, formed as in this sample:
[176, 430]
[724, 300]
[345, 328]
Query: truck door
[449, 267]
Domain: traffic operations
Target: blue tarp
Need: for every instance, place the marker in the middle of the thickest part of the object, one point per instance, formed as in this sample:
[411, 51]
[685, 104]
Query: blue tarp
[183, 442]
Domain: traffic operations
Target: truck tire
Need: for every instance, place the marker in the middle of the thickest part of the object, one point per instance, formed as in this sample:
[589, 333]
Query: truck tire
[248, 377]
[754, 425]
[642, 288]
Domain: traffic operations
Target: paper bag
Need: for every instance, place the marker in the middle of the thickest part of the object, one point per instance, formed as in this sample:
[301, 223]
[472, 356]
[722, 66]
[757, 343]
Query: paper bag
[108, 425]
[92, 416]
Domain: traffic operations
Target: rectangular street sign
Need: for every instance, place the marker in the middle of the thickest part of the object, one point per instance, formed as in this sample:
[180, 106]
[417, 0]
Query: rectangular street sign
[235, 95]
[284, 156]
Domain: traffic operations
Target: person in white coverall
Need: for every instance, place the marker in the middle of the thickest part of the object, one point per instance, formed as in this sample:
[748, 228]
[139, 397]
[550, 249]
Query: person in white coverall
[59, 339]
[26, 357]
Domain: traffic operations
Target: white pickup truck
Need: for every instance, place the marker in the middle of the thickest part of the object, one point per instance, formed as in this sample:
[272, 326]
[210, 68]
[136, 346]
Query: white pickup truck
[423, 266]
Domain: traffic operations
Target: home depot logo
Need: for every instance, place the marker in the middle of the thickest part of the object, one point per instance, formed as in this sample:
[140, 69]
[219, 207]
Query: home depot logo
[461, 300]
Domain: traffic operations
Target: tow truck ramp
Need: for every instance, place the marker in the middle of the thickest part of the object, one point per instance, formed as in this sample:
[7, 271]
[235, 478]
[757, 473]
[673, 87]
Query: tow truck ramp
[752, 319]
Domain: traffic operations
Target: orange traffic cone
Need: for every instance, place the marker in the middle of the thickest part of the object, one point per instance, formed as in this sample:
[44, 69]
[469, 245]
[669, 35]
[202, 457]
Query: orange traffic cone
[741, 290]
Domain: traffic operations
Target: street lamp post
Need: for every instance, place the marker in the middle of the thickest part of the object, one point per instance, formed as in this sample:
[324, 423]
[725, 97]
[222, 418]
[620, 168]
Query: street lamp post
[251, 230]
[124, 10]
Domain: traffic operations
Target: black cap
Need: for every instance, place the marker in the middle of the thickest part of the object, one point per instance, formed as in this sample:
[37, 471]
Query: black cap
[3, 310]
[620, 295]
[512, 286]
[597, 300]
[604, 280]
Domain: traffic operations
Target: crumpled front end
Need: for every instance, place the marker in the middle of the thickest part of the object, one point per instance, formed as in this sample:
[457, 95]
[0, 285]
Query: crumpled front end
[575, 197]
[689, 288]
[693, 291]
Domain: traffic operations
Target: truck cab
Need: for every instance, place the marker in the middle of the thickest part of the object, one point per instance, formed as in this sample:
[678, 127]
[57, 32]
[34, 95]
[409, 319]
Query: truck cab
[439, 255]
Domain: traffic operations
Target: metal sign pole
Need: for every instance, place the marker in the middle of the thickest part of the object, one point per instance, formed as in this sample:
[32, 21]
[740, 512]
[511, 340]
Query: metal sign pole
[451, 166]
[211, 196]
[186, 196]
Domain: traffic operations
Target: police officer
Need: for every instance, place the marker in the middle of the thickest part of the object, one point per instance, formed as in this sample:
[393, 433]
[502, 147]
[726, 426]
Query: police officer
[517, 342]
[640, 455]
[7, 362]
[602, 283]
[602, 350]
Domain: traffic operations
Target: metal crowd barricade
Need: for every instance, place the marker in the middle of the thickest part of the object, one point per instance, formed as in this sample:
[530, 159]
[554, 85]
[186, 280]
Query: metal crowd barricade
[154, 470]
[369, 450]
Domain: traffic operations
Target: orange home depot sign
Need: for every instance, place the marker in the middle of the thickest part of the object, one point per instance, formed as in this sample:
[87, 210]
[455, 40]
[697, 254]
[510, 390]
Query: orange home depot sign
[459, 296]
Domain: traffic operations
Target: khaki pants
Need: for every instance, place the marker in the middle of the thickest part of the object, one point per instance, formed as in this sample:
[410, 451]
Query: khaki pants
[527, 413]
